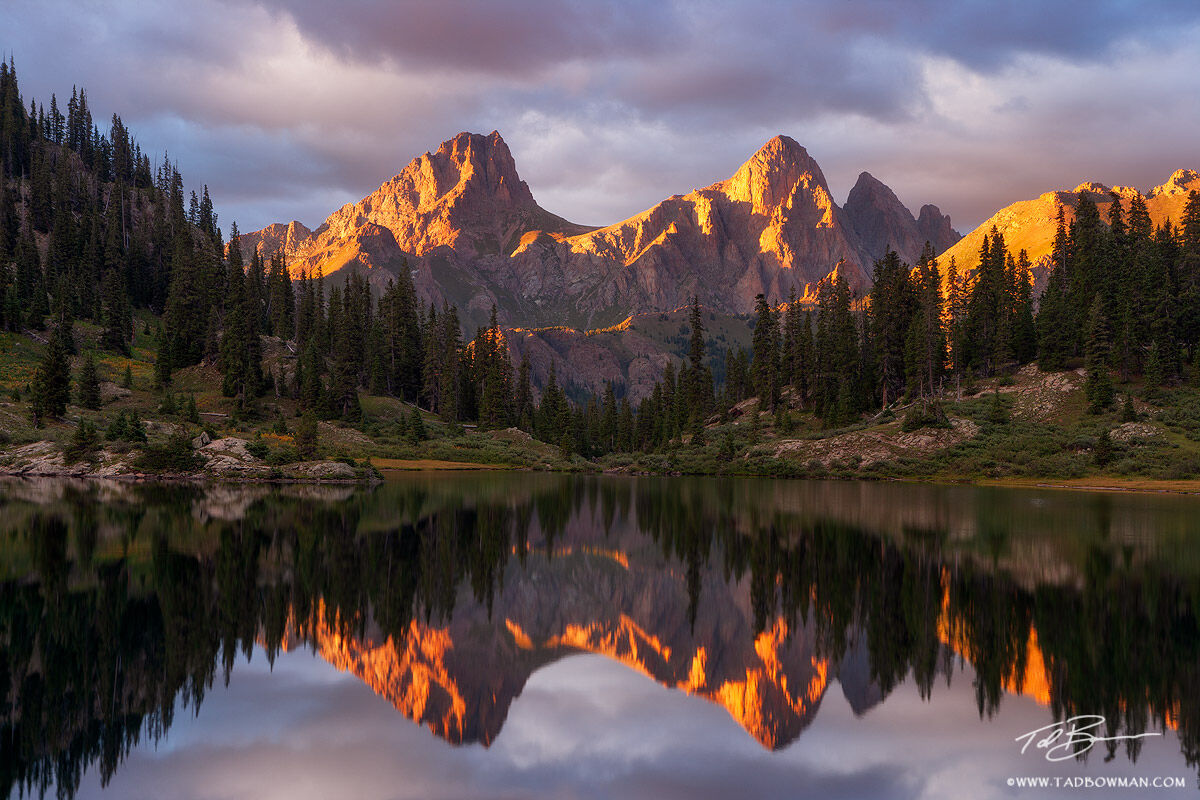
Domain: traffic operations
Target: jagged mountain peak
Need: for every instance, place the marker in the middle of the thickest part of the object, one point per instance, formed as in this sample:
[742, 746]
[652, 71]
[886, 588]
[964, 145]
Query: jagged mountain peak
[869, 189]
[467, 163]
[1182, 181]
[781, 155]
[472, 234]
[868, 182]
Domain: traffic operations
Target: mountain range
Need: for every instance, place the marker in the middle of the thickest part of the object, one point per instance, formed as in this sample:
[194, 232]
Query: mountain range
[602, 304]
[472, 234]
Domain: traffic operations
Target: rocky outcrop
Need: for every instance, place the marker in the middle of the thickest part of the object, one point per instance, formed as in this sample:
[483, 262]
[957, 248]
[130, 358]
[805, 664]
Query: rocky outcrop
[229, 458]
[469, 231]
[934, 227]
[882, 223]
[274, 238]
[46, 458]
[322, 471]
[225, 459]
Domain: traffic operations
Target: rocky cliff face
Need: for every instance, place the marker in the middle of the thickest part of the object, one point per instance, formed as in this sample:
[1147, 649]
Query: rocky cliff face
[882, 223]
[278, 237]
[770, 228]
[470, 231]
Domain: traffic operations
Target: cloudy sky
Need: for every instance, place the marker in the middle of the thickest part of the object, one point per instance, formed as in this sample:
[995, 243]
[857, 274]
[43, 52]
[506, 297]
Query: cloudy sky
[588, 728]
[289, 108]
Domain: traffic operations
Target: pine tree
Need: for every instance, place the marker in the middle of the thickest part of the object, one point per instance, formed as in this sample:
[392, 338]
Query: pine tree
[416, 427]
[281, 298]
[1098, 385]
[493, 371]
[523, 410]
[1153, 378]
[51, 387]
[1055, 338]
[84, 443]
[89, 384]
[698, 377]
[552, 417]
[893, 305]
[306, 436]
[116, 317]
[766, 354]
[837, 357]
[399, 312]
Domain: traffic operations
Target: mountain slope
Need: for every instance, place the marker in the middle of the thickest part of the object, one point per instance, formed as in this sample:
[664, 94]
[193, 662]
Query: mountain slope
[1030, 224]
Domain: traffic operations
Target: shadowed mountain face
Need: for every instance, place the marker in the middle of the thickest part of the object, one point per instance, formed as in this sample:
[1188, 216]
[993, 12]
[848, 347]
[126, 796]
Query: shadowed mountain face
[468, 227]
[445, 594]
[882, 223]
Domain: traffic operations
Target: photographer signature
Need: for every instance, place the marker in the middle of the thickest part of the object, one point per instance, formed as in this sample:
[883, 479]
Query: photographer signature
[1071, 737]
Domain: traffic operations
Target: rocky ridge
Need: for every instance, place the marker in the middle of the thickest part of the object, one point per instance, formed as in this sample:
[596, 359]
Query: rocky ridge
[470, 231]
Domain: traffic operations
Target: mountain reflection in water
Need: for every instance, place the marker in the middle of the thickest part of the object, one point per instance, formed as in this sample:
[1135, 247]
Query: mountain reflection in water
[120, 603]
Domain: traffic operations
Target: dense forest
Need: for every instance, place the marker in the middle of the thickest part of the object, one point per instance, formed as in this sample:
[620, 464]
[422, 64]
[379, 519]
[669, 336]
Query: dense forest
[91, 230]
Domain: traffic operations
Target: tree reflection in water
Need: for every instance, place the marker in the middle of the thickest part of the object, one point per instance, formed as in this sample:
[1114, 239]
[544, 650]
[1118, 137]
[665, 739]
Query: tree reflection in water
[122, 604]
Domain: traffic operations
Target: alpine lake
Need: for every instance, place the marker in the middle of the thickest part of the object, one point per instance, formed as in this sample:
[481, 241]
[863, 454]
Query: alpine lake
[514, 634]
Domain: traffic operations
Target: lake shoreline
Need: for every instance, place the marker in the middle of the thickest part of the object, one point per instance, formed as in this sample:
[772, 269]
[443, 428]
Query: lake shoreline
[377, 470]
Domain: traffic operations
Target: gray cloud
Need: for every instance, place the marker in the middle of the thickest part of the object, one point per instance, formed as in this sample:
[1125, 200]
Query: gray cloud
[288, 109]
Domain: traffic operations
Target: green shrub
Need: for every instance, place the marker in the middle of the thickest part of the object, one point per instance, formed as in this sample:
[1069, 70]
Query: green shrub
[126, 427]
[173, 455]
[924, 414]
[84, 443]
[282, 456]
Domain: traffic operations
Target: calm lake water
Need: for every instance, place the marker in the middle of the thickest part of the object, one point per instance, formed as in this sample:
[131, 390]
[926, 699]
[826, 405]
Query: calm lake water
[502, 635]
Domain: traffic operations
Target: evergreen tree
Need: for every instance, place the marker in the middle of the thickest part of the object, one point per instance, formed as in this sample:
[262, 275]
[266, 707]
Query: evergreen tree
[698, 381]
[1098, 385]
[116, 316]
[837, 358]
[84, 443]
[399, 313]
[893, 306]
[1056, 337]
[925, 349]
[306, 436]
[416, 427]
[523, 410]
[493, 375]
[766, 354]
[281, 298]
[241, 349]
[88, 384]
[552, 419]
[51, 387]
